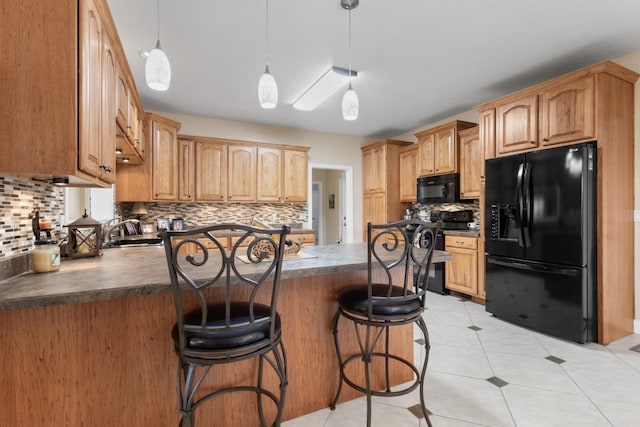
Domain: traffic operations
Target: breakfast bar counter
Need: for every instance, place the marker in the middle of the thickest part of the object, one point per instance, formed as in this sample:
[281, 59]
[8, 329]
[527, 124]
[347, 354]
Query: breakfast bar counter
[91, 345]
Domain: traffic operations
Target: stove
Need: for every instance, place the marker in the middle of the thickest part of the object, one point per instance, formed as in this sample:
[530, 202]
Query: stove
[453, 220]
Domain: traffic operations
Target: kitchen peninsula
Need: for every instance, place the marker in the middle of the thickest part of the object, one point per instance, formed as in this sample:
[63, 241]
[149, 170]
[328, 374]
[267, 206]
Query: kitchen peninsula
[91, 345]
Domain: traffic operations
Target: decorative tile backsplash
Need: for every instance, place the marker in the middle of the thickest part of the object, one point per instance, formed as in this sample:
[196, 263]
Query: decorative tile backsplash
[19, 198]
[209, 213]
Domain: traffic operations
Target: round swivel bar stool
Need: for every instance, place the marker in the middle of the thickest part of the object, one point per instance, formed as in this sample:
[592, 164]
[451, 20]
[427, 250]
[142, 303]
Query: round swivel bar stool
[245, 324]
[377, 307]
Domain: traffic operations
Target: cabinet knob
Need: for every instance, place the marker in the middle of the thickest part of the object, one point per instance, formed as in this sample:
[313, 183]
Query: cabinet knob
[544, 139]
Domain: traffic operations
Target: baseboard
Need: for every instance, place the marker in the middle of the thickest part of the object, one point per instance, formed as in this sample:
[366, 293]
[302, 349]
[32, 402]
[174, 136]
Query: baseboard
[636, 326]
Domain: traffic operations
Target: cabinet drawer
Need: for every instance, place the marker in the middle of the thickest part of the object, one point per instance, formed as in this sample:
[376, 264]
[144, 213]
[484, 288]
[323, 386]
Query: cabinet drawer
[461, 242]
[303, 239]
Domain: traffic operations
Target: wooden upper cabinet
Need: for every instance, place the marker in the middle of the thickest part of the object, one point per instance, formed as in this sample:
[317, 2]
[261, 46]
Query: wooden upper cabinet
[445, 153]
[164, 174]
[211, 171]
[242, 173]
[517, 125]
[408, 173]
[426, 154]
[568, 112]
[269, 185]
[471, 163]
[186, 170]
[438, 148]
[373, 169]
[294, 182]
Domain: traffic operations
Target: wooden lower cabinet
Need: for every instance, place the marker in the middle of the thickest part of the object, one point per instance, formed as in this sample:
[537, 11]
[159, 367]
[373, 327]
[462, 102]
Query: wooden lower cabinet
[304, 239]
[461, 273]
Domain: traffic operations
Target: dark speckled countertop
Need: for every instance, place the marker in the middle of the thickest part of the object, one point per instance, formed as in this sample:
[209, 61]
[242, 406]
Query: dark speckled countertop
[470, 233]
[130, 271]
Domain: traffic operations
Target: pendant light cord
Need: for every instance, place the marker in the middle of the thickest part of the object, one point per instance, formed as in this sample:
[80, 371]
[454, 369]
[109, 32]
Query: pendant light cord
[266, 52]
[349, 47]
[158, 15]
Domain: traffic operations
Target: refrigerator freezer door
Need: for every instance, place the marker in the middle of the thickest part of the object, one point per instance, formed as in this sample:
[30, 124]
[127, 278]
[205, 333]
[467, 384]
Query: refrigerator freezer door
[502, 206]
[556, 300]
[560, 205]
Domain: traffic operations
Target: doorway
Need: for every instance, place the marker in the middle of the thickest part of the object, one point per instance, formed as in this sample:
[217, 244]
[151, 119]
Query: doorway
[332, 204]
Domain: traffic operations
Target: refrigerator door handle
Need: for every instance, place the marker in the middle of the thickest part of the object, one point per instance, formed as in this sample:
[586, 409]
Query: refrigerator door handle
[520, 201]
[532, 267]
[526, 204]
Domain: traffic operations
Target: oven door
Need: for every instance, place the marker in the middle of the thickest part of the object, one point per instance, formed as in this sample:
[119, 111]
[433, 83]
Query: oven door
[435, 283]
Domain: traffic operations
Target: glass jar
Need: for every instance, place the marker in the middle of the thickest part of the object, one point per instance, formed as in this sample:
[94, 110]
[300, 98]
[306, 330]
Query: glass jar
[46, 256]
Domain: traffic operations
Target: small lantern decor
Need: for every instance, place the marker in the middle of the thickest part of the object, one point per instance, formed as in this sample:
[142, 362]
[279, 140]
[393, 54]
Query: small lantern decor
[85, 237]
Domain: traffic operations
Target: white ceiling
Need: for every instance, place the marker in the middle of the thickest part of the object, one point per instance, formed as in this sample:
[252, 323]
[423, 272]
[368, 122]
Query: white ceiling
[419, 61]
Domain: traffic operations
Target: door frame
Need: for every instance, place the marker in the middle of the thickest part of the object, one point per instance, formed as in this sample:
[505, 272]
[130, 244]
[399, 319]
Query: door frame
[319, 231]
[349, 206]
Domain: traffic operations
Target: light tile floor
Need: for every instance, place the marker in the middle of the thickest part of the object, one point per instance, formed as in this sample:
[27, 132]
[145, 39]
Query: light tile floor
[536, 380]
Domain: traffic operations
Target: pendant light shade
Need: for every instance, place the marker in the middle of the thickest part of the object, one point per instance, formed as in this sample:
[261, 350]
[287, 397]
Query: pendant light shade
[350, 104]
[157, 70]
[267, 90]
[267, 87]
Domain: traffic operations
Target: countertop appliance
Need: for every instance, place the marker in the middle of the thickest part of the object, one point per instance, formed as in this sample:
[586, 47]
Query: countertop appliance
[438, 189]
[541, 240]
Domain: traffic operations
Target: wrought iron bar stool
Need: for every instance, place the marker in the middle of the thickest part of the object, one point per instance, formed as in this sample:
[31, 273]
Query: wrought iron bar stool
[244, 324]
[405, 246]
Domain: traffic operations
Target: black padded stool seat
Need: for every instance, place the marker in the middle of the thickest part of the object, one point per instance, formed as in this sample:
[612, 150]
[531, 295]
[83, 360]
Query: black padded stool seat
[215, 339]
[356, 300]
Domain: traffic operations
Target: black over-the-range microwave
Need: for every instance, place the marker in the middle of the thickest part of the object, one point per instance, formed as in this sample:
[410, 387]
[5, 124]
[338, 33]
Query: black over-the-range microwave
[438, 189]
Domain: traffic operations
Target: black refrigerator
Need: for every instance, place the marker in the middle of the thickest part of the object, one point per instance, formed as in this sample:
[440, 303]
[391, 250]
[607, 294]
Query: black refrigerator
[540, 240]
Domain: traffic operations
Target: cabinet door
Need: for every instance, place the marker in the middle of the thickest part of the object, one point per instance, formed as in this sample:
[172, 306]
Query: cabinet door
[269, 185]
[374, 210]
[471, 164]
[408, 174]
[242, 173]
[444, 147]
[568, 112]
[461, 273]
[186, 172]
[488, 134]
[380, 169]
[426, 155]
[368, 170]
[90, 144]
[122, 101]
[108, 143]
[295, 176]
[211, 172]
[517, 125]
[165, 162]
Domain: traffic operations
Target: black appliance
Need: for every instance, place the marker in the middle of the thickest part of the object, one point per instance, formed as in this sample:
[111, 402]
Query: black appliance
[453, 220]
[540, 240]
[438, 189]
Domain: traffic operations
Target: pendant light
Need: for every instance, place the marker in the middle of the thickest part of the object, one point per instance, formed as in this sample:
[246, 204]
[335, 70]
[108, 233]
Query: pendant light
[267, 87]
[350, 103]
[157, 69]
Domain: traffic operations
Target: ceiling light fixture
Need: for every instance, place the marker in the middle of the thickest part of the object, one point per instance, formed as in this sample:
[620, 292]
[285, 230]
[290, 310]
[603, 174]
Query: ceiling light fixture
[157, 69]
[329, 83]
[267, 87]
[350, 103]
